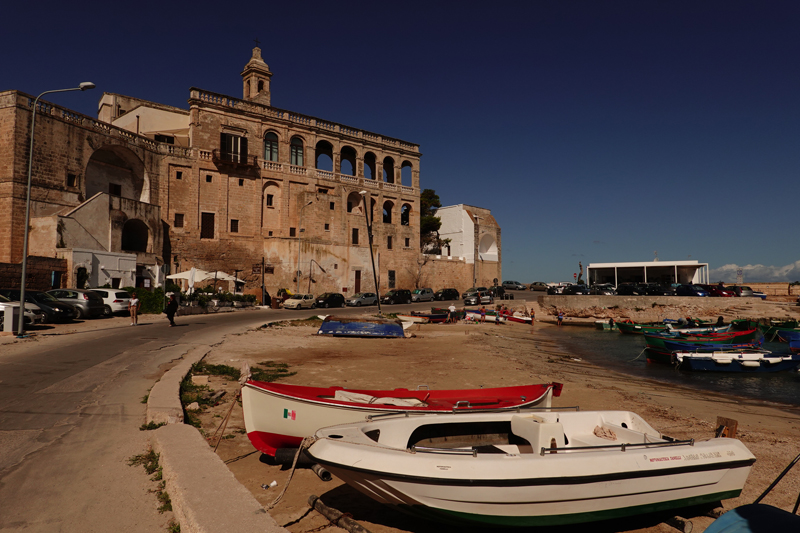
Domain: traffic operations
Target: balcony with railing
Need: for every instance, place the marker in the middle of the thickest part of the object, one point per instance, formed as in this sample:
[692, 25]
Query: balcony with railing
[222, 158]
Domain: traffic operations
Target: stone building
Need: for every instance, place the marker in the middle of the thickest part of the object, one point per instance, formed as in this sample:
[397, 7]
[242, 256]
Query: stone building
[474, 238]
[229, 184]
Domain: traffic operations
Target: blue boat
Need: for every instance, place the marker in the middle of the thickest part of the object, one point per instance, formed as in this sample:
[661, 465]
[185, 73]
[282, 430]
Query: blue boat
[361, 327]
[788, 336]
[742, 361]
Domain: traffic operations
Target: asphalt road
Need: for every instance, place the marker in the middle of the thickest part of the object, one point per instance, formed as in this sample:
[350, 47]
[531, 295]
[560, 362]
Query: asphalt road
[70, 411]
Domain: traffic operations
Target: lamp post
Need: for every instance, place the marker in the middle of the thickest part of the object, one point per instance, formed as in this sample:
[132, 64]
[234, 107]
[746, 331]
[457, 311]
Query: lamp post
[371, 255]
[82, 87]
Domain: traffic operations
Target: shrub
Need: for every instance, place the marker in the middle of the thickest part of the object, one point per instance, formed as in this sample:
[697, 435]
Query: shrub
[152, 299]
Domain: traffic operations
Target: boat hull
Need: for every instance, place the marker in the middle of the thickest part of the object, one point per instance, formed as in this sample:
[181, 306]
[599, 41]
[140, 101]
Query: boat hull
[280, 416]
[350, 327]
[531, 489]
[744, 363]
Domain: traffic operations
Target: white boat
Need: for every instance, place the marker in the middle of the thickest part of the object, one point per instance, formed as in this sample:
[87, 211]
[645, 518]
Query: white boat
[744, 361]
[522, 469]
[476, 316]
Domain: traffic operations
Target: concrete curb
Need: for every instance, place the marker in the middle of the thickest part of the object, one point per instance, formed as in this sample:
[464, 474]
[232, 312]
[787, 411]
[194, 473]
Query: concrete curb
[206, 497]
[164, 402]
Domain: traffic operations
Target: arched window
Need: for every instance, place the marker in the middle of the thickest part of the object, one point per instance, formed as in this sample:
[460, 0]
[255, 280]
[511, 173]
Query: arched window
[348, 161]
[405, 215]
[369, 166]
[387, 212]
[296, 146]
[354, 203]
[388, 170]
[406, 174]
[270, 146]
[135, 236]
[324, 156]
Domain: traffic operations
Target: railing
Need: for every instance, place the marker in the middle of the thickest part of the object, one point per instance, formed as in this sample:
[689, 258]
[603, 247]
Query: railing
[389, 186]
[272, 165]
[205, 155]
[226, 158]
[351, 179]
[325, 174]
[299, 171]
[407, 189]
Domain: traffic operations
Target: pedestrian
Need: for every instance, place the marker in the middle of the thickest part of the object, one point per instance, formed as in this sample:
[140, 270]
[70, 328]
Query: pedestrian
[560, 317]
[451, 317]
[133, 308]
[483, 314]
[172, 308]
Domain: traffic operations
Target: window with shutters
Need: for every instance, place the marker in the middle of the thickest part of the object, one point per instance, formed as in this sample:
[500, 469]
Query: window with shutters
[233, 148]
[271, 147]
[207, 225]
[234, 226]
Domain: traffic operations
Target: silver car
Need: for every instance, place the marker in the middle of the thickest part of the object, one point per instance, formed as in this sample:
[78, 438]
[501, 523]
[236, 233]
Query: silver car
[363, 298]
[33, 314]
[86, 303]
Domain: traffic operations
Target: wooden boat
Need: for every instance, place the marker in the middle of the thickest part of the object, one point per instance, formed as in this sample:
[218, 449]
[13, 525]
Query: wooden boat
[657, 351]
[361, 327]
[605, 325]
[422, 317]
[460, 313]
[476, 316]
[542, 469]
[278, 415]
[640, 328]
[519, 319]
[744, 361]
[788, 336]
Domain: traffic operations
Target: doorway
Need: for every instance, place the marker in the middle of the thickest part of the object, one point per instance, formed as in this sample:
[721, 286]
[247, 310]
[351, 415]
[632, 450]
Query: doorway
[358, 281]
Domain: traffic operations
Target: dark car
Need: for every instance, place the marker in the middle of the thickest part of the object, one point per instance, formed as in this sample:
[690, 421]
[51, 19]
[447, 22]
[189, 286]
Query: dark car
[575, 290]
[396, 296]
[690, 290]
[602, 289]
[86, 303]
[330, 299]
[654, 289]
[446, 294]
[54, 310]
[741, 290]
[630, 289]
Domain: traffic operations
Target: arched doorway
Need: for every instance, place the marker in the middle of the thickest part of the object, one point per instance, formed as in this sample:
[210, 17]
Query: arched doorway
[118, 171]
[135, 236]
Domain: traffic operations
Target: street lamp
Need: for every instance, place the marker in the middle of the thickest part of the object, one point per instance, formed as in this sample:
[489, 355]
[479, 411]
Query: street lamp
[371, 255]
[82, 87]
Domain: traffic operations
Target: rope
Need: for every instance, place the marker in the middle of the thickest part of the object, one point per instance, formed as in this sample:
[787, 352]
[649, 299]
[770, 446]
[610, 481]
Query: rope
[307, 441]
[638, 356]
[224, 423]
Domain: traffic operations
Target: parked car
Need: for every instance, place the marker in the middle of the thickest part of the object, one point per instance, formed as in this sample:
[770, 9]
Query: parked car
[330, 299]
[477, 297]
[33, 314]
[631, 289]
[690, 290]
[446, 294]
[114, 300]
[513, 285]
[422, 295]
[716, 290]
[759, 294]
[654, 289]
[602, 289]
[499, 292]
[54, 310]
[396, 296]
[300, 301]
[538, 286]
[741, 290]
[363, 298]
[87, 304]
[575, 290]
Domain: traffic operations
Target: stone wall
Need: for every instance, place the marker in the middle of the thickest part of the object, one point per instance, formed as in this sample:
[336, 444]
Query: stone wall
[38, 276]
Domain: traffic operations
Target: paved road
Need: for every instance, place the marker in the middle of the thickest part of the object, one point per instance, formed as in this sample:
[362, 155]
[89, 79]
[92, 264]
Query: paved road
[70, 409]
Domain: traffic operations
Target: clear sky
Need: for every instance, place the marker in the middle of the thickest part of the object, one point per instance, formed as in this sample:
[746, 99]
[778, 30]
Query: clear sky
[595, 131]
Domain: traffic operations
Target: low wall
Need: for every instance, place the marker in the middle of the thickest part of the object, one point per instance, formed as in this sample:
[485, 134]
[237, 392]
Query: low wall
[636, 302]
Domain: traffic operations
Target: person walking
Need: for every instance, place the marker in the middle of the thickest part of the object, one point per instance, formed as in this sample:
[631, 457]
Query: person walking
[133, 309]
[172, 308]
[560, 317]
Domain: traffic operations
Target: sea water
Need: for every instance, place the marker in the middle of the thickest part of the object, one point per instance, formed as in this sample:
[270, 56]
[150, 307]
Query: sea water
[624, 353]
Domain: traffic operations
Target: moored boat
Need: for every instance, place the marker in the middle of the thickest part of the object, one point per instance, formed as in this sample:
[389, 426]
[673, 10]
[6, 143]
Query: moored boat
[278, 415]
[659, 352]
[361, 327]
[544, 469]
[422, 317]
[744, 361]
[476, 316]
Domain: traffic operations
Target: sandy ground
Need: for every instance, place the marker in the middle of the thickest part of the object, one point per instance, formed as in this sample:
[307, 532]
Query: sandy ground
[473, 355]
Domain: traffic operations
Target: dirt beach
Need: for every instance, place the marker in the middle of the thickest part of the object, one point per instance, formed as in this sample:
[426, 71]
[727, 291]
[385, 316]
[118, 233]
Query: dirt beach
[469, 356]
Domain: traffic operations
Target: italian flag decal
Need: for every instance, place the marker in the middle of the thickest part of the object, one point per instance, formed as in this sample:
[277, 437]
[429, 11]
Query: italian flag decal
[288, 413]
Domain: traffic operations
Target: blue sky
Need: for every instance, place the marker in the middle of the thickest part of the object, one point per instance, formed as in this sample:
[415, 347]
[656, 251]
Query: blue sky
[595, 131]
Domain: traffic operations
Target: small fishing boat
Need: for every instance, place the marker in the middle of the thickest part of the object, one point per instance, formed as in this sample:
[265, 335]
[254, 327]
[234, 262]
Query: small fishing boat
[605, 325]
[277, 415]
[529, 469]
[519, 319]
[476, 316]
[788, 336]
[460, 313]
[422, 317]
[640, 328]
[744, 361]
[361, 327]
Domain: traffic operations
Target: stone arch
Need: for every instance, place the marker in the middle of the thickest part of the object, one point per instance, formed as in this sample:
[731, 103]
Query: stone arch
[369, 164]
[406, 173]
[405, 215]
[488, 248]
[388, 169]
[324, 156]
[355, 203]
[136, 236]
[348, 155]
[296, 151]
[119, 171]
[388, 206]
[271, 205]
[271, 143]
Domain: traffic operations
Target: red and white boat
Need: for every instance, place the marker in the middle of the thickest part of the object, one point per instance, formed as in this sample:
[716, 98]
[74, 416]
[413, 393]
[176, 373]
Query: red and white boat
[278, 415]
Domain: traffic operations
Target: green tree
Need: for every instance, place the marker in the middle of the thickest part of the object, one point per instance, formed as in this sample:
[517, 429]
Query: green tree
[429, 223]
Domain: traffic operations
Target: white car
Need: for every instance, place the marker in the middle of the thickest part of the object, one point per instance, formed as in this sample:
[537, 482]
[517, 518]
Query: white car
[299, 301]
[33, 314]
[115, 300]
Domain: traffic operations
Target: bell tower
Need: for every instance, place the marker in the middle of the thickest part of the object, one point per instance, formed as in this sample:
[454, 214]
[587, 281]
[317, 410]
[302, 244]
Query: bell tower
[256, 76]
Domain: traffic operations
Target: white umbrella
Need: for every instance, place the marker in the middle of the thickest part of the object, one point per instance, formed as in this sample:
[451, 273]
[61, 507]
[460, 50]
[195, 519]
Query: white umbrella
[192, 274]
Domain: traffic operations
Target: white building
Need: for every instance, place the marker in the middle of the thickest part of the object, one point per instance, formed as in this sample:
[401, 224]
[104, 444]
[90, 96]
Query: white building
[662, 272]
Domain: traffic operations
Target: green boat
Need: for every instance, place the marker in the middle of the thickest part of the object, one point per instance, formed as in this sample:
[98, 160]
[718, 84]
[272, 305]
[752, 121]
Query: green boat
[642, 328]
[657, 352]
[769, 330]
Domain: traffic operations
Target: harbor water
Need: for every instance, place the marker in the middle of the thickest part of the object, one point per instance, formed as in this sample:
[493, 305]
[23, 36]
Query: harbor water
[625, 354]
